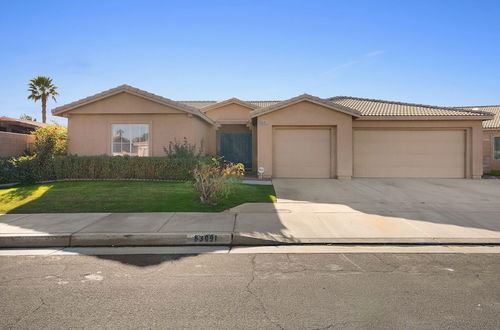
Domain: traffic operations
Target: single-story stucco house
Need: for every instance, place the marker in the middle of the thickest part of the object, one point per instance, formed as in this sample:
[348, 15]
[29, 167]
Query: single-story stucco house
[303, 137]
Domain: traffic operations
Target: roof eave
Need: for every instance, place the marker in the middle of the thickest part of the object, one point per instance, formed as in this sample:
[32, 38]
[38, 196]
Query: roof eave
[454, 109]
[62, 110]
[227, 102]
[301, 98]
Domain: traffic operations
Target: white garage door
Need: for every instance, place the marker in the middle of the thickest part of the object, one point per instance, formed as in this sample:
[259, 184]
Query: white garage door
[301, 152]
[409, 154]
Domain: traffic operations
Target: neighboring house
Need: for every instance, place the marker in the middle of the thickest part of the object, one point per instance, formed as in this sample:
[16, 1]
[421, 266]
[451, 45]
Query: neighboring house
[21, 126]
[491, 137]
[15, 136]
[303, 137]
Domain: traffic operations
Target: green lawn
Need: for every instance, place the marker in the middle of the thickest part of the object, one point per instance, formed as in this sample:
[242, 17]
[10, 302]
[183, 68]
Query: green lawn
[121, 196]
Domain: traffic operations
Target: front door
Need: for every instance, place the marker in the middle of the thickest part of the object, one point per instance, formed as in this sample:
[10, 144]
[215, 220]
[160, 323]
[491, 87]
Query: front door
[237, 148]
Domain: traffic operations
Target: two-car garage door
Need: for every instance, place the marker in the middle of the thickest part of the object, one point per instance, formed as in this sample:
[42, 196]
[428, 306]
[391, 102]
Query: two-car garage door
[310, 153]
[409, 153]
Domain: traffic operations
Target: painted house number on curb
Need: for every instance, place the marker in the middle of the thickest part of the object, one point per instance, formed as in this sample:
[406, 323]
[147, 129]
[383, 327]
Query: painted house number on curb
[205, 238]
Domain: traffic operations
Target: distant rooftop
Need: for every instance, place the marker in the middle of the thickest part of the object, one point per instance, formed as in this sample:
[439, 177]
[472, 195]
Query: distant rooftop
[203, 104]
[16, 125]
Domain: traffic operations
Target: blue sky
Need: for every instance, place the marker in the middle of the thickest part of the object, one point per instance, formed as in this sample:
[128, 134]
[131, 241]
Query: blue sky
[434, 52]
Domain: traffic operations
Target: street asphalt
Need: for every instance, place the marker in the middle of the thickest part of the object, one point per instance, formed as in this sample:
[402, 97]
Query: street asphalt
[251, 291]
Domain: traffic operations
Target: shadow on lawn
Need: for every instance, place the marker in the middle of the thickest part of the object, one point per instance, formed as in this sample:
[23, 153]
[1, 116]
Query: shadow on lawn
[19, 192]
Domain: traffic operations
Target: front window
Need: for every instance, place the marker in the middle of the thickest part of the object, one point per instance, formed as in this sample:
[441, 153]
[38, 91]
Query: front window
[130, 140]
[496, 147]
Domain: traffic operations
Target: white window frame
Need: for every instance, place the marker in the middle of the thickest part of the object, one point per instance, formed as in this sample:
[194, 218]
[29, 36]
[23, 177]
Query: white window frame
[149, 137]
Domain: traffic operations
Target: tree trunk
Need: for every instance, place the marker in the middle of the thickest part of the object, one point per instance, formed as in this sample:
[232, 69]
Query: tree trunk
[44, 109]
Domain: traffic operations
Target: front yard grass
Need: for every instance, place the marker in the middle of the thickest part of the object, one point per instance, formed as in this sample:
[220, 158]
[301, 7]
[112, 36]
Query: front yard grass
[121, 196]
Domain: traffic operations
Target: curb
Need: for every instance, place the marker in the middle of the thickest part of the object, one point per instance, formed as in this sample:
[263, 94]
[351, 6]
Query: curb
[114, 239]
[64, 240]
[210, 238]
[150, 239]
[253, 240]
[35, 240]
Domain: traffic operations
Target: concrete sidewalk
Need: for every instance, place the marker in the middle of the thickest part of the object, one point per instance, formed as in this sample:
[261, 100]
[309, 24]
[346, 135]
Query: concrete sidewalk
[115, 229]
[249, 224]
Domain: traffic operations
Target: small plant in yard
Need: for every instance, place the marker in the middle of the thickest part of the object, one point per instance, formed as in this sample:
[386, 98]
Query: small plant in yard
[182, 149]
[214, 181]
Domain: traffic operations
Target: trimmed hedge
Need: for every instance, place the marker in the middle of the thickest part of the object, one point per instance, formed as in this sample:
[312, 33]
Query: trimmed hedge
[30, 169]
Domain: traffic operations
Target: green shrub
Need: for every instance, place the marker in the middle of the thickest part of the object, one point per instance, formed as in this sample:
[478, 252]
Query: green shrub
[50, 140]
[29, 169]
[8, 171]
[184, 149]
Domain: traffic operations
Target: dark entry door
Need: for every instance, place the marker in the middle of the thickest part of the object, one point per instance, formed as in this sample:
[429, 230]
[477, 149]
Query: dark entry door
[237, 148]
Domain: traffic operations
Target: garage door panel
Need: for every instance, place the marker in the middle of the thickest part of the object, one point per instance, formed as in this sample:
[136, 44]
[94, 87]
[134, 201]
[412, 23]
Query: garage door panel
[434, 154]
[301, 153]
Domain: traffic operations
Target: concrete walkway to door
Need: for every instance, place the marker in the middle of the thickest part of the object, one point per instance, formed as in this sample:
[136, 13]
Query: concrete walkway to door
[375, 211]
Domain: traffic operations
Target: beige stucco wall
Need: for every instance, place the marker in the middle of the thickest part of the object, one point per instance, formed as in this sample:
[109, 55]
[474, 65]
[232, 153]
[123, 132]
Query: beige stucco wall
[14, 144]
[89, 127]
[473, 131]
[230, 111]
[91, 134]
[488, 161]
[306, 114]
[124, 103]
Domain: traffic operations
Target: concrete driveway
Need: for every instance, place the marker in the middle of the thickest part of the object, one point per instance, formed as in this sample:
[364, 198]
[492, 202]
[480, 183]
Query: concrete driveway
[478, 194]
[377, 210]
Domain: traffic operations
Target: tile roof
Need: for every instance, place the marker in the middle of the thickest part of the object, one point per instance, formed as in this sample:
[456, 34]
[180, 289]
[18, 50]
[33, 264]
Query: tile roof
[371, 108]
[126, 88]
[203, 104]
[263, 104]
[494, 109]
[306, 97]
[198, 104]
[229, 101]
[358, 107]
[382, 108]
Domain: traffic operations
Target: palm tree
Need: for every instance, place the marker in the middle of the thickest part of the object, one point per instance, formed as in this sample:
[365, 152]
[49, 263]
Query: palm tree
[41, 88]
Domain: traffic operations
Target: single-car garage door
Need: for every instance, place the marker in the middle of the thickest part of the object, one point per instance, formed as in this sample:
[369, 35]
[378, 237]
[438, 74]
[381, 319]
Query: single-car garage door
[302, 152]
[409, 154]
